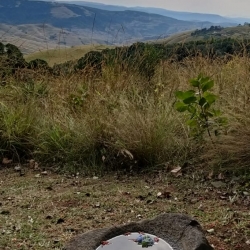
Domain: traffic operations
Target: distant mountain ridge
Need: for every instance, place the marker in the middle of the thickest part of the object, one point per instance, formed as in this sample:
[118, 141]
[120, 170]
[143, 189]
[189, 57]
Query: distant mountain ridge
[83, 24]
[180, 15]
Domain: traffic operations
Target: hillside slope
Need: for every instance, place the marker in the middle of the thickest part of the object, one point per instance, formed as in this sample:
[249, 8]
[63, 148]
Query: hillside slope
[75, 25]
[239, 33]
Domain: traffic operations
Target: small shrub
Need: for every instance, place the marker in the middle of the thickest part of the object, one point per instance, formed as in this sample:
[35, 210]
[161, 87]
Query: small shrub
[199, 104]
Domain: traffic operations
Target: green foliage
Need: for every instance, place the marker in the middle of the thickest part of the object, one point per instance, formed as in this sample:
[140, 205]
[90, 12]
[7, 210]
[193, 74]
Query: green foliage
[199, 104]
[205, 31]
[91, 59]
[34, 89]
[38, 64]
[11, 59]
[77, 100]
[1, 48]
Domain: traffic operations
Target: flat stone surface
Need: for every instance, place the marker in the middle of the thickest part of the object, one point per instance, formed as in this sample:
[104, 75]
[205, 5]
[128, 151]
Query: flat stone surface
[180, 231]
[129, 242]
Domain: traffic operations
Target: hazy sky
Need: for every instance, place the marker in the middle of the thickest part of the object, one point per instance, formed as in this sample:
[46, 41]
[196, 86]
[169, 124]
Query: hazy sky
[236, 8]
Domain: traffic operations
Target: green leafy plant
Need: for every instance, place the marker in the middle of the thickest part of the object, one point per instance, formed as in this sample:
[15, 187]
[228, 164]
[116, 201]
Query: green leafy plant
[199, 103]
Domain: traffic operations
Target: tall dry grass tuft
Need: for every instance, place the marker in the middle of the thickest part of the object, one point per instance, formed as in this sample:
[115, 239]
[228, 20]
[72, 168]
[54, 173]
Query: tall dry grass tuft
[118, 119]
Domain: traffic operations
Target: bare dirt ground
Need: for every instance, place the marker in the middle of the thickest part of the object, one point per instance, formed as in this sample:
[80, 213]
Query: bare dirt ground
[44, 210]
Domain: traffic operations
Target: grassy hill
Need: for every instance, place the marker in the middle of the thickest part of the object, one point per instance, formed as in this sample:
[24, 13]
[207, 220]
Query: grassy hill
[61, 55]
[32, 38]
[239, 32]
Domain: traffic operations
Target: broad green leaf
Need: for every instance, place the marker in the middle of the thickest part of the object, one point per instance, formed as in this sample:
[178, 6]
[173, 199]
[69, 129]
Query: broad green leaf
[202, 101]
[190, 100]
[189, 93]
[194, 82]
[211, 98]
[191, 109]
[206, 106]
[181, 107]
[203, 80]
[207, 85]
[179, 95]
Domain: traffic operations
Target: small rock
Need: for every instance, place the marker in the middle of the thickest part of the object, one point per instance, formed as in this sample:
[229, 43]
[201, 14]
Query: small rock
[218, 184]
[17, 168]
[210, 230]
[97, 204]
[159, 194]
[6, 161]
[138, 216]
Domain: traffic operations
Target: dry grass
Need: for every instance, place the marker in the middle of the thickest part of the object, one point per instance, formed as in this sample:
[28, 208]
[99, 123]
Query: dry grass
[105, 114]
[91, 123]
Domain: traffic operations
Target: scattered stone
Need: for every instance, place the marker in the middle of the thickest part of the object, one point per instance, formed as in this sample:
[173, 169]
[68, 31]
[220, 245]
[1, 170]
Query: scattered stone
[210, 230]
[218, 184]
[17, 168]
[97, 205]
[6, 161]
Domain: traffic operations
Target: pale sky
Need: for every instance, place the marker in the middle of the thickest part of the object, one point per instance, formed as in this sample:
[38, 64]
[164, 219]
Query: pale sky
[234, 8]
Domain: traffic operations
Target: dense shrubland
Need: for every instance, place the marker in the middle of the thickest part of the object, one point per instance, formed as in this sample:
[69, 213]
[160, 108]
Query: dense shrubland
[115, 109]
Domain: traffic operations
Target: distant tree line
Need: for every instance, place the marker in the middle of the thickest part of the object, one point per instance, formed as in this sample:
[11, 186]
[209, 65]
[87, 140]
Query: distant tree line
[140, 57]
[144, 57]
[206, 31]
